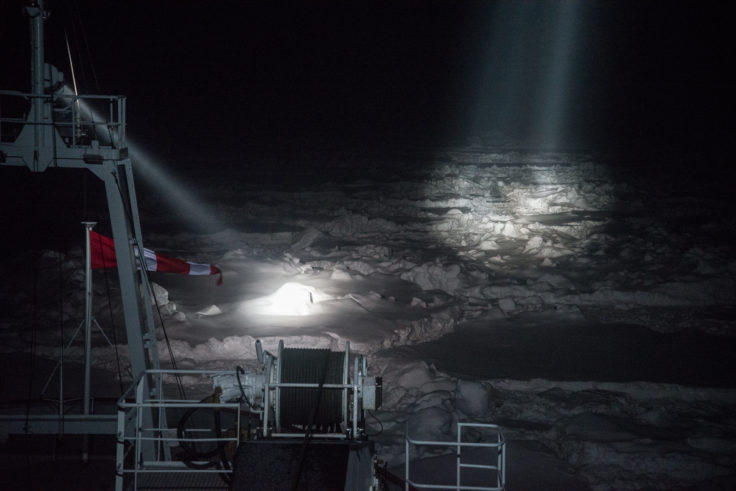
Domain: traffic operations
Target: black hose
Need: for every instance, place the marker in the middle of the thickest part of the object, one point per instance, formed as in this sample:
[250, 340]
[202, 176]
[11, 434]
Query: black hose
[190, 453]
[227, 478]
[238, 371]
[370, 435]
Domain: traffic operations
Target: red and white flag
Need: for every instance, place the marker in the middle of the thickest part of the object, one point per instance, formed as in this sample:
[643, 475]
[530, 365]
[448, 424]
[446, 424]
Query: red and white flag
[102, 256]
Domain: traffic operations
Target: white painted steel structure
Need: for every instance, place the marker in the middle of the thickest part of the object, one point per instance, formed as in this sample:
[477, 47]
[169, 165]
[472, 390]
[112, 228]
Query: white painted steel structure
[65, 130]
[133, 466]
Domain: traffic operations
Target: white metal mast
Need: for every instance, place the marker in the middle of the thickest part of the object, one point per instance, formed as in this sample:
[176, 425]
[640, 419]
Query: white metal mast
[55, 134]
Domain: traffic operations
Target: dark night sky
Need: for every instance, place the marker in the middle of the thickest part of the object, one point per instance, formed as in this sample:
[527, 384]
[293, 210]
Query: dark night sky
[223, 78]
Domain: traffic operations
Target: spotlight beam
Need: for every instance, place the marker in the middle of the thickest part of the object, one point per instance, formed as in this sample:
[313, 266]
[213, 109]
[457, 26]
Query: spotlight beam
[170, 188]
[174, 191]
[555, 99]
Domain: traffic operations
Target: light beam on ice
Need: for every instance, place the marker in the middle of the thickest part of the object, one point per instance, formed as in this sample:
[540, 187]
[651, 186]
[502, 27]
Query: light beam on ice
[291, 299]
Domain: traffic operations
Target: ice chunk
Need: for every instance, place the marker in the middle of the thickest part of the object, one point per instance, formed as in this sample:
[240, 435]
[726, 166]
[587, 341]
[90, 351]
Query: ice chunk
[374, 251]
[506, 305]
[432, 276]
[418, 302]
[431, 423]
[211, 310]
[557, 281]
[488, 245]
[160, 295]
[471, 398]
[340, 274]
[533, 244]
[307, 238]
[361, 267]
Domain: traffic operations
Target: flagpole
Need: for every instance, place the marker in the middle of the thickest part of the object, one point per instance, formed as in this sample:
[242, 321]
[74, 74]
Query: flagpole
[87, 330]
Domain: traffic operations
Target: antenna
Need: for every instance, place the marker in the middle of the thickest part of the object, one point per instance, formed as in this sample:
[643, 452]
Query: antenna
[77, 127]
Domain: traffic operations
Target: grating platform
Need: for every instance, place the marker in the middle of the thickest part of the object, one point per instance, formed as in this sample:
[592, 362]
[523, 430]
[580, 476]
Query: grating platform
[265, 465]
[180, 482]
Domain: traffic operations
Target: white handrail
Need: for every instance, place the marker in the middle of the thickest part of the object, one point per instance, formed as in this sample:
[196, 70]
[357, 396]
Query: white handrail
[499, 467]
[131, 430]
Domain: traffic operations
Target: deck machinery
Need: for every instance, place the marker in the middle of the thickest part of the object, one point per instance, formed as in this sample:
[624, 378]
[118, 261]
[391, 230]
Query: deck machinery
[308, 406]
[295, 420]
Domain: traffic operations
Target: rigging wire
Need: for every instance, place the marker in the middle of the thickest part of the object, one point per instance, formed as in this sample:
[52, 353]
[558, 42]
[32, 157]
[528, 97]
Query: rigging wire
[82, 71]
[71, 66]
[78, 26]
[172, 359]
[114, 330]
[61, 344]
[85, 196]
[32, 352]
[145, 275]
[77, 15]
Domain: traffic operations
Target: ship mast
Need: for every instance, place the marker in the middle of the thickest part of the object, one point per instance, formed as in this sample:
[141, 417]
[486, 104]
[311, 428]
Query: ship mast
[65, 130]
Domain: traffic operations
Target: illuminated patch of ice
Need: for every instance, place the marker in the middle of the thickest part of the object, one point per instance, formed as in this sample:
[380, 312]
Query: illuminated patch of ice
[291, 299]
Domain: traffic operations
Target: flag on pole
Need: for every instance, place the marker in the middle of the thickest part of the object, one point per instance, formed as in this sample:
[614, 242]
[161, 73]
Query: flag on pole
[102, 256]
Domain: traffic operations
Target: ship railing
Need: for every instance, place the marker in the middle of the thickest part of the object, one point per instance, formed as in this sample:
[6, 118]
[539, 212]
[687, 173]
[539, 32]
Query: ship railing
[492, 451]
[134, 470]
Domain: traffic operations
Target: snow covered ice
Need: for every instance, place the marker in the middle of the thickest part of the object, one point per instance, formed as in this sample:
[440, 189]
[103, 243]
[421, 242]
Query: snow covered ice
[586, 308]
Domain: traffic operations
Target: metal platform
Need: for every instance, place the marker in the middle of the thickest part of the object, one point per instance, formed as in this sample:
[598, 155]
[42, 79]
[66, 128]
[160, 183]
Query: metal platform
[175, 480]
[304, 464]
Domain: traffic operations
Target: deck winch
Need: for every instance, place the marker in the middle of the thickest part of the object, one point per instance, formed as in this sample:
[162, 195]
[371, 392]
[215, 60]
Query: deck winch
[310, 405]
[304, 391]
